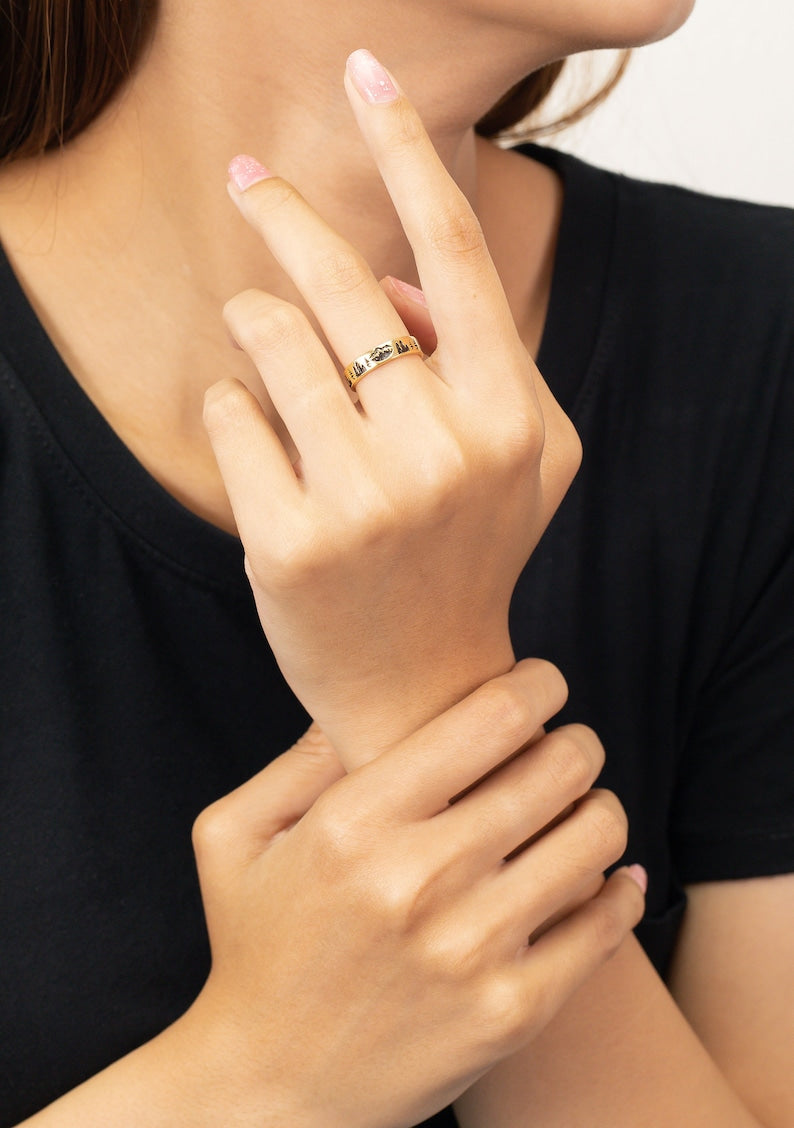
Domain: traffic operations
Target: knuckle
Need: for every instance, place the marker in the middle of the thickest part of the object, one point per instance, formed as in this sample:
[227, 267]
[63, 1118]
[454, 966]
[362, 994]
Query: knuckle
[270, 195]
[509, 711]
[609, 924]
[283, 566]
[504, 1015]
[399, 896]
[607, 824]
[553, 680]
[562, 451]
[568, 761]
[523, 438]
[337, 833]
[406, 130]
[340, 272]
[572, 450]
[212, 831]
[545, 682]
[590, 741]
[454, 952]
[225, 403]
[263, 324]
[293, 568]
[270, 327]
[455, 234]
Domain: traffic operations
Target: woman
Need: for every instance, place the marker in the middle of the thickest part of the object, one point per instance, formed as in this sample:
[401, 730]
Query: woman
[382, 547]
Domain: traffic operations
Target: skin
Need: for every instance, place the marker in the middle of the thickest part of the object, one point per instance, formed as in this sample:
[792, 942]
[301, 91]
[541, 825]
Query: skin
[111, 200]
[117, 208]
[310, 1027]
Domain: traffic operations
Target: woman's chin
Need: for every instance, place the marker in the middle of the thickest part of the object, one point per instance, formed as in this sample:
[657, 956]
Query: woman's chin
[636, 22]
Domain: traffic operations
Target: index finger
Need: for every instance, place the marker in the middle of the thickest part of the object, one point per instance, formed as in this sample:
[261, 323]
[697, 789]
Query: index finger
[419, 777]
[460, 281]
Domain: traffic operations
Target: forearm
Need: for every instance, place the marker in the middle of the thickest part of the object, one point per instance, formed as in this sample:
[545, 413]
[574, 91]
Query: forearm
[619, 1055]
[184, 1078]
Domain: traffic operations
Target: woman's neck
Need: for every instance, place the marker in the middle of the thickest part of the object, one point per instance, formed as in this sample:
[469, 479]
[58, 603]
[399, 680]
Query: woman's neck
[128, 245]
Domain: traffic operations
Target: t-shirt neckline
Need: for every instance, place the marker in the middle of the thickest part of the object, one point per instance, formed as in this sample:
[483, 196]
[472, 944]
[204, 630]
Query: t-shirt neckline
[580, 277]
[132, 496]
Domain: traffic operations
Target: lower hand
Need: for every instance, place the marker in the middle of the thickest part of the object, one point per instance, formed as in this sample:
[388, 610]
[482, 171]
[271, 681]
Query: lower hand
[369, 942]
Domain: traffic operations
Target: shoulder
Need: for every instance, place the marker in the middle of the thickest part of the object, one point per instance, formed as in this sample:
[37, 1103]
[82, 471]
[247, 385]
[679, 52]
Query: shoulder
[679, 244]
[721, 248]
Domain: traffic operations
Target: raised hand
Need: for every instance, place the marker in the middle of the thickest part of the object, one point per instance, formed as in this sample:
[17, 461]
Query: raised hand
[384, 557]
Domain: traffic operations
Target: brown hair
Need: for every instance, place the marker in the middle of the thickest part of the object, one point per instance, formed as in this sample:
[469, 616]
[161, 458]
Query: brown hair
[61, 62]
[514, 115]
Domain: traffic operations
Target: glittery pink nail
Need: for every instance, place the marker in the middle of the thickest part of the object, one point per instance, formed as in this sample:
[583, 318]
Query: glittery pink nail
[245, 171]
[373, 83]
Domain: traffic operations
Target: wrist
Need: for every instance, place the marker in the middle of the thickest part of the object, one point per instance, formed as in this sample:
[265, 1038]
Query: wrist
[390, 705]
[225, 1079]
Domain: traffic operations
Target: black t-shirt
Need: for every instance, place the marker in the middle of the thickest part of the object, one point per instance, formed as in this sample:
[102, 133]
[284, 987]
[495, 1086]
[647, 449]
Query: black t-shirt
[136, 687]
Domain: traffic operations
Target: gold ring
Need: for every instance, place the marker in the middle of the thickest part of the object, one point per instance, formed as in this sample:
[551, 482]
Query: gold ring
[382, 354]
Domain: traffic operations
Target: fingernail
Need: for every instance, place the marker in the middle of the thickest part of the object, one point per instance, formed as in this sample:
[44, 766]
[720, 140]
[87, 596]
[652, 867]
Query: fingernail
[413, 293]
[374, 84]
[640, 875]
[245, 171]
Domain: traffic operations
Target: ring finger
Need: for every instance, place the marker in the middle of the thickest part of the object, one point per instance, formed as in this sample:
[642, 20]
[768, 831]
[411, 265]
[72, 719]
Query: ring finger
[524, 797]
[335, 280]
[552, 874]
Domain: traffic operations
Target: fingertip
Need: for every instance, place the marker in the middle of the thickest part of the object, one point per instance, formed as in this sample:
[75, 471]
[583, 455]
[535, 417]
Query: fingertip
[245, 171]
[639, 875]
[223, 402]
[213, 395]
[633, 882]
[539, 672]
[370, 79]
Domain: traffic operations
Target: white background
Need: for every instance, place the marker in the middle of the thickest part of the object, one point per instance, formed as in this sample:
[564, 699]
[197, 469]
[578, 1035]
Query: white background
[712, 107]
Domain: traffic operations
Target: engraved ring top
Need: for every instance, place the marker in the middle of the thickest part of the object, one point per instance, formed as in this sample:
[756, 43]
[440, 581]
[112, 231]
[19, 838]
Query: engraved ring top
[381, 354]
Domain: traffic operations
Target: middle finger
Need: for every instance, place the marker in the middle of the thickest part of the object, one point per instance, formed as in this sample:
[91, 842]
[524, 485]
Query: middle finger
[523, 798]
[335, 280]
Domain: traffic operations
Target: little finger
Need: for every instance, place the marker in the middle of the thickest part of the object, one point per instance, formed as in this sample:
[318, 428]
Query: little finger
[551, 969]
[298, 374]
[549, 875]
[257, 473]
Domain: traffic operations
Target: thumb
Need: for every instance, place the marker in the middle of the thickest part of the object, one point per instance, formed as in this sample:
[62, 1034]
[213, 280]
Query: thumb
[312, 759]
[292, 783]
[411, 305]
[278, 796]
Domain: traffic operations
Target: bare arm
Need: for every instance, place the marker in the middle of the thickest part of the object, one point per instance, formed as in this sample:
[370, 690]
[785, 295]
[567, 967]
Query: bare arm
[369, 955]
[626, 1052]
[733, 977]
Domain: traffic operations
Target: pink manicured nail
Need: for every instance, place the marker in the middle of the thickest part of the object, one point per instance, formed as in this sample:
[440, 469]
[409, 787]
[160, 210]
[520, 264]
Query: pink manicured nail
[373, 83]
[640, 875]
[245, 171]
[411, 292]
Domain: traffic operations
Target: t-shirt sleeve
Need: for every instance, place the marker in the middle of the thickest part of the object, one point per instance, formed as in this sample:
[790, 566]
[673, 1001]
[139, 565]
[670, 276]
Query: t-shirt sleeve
[733, 809]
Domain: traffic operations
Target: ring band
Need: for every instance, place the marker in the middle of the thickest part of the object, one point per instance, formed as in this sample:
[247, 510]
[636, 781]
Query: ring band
[382, 354]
